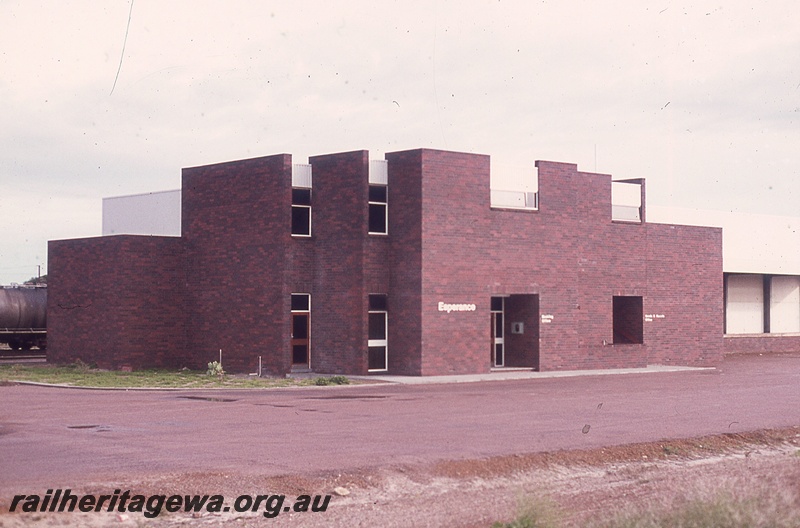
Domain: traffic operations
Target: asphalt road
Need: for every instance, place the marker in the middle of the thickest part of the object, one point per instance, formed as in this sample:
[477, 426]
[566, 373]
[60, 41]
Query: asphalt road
[61, 437]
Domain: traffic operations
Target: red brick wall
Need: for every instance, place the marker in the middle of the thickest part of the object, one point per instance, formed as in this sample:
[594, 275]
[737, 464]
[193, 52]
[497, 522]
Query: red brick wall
[577, 259]
[339, 299]
[455, 222]
[761, 344]
[684, 270]
[446, 244]
[405, 262]
[117, 302]
[236, 228]
[573, 256]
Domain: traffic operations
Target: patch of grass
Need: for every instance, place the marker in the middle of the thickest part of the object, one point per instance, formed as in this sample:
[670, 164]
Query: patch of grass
[79, 374]
[333, 380]
[723, 510]
[535, 513]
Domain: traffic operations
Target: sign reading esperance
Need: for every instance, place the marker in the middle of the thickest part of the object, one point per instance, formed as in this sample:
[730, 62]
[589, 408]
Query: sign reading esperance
[447, 307]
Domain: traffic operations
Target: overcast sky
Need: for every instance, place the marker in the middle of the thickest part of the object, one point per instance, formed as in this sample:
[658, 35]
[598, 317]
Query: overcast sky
[700, 98]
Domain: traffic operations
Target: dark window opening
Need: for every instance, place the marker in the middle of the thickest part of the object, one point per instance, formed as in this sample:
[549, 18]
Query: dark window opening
[497, 304]
[301, 302]
[377, 358]
[628, 320]
[300, 327]
[378, 209]
[301, 196]
[377, 325]
[378, 193]
[377, 302]
[301, 212]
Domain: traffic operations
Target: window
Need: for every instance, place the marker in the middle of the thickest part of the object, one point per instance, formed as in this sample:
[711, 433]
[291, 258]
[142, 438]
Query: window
[628, 320]
[301, 330]
[377, 345]
[301, 302]
[498, 305]
[378, 209]
[301, 211]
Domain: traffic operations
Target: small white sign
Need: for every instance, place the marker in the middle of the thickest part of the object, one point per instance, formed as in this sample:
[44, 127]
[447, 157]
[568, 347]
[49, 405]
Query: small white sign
[649, 318]
[547, 318]
[459, 307]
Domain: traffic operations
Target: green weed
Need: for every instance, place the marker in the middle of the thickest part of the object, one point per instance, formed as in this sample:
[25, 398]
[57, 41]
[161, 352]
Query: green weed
[535, 513]
[333, 380]
[723, 510]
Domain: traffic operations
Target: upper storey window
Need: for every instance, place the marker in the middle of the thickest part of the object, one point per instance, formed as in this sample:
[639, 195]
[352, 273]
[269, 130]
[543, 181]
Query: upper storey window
[378, 197]
[378, 209]
[301, 200]
[301, 212]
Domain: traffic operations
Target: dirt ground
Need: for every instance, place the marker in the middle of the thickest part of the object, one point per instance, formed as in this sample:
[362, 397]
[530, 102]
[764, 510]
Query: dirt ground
[583, 485]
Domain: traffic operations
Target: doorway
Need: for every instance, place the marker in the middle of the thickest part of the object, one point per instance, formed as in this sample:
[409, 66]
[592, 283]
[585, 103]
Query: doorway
[515, 331]
[301, 331]
[378, 342]
[498, 334]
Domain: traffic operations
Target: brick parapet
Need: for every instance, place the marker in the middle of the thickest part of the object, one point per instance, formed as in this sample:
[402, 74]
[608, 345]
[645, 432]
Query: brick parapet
[236, 227]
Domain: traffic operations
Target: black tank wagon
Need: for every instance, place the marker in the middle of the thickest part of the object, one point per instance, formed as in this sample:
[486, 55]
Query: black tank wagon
[23, 316]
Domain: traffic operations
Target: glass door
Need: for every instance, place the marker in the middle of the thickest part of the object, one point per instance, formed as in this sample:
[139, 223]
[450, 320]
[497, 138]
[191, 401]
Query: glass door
[498, 339]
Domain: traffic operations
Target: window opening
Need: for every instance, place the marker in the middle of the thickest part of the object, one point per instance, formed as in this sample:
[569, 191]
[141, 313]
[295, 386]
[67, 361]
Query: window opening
[498, 337]
[301, 329]
[301, 212]
[378, 343]
[378, 209]
[514, 187]
[626, 200]
[628, 320]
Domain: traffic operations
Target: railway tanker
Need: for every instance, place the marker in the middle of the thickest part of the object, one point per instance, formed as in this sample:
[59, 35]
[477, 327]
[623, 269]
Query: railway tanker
[23, 317]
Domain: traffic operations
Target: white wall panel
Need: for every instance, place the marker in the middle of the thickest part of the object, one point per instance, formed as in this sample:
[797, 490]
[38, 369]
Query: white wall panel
[751, 243]
[784, 309]
[745, 305]
[156, 213]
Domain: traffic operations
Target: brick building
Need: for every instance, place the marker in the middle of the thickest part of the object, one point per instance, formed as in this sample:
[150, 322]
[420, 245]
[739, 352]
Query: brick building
[410, 265]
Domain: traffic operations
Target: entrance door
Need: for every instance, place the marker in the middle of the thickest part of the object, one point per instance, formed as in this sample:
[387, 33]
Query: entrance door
[301, 330]
[300, 340]
[498, 337]
[377, 344]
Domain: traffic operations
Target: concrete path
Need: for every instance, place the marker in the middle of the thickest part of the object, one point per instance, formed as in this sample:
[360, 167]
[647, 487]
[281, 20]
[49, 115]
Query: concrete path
[520, 374]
